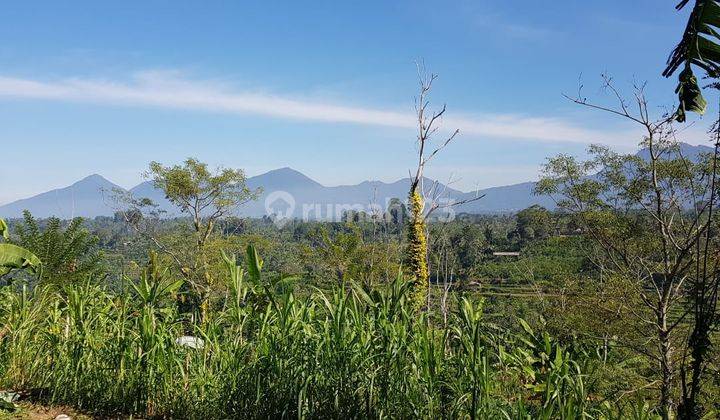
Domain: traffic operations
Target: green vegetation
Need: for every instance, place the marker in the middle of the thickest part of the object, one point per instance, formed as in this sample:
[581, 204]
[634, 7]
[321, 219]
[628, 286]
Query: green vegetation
[68, 253]
[346, 352]
[13, 256]
[603, 308]
[325, 327]
[205, 197]
[699, 46]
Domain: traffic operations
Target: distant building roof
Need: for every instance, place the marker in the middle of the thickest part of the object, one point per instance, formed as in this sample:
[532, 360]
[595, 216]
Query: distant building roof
[506, 254]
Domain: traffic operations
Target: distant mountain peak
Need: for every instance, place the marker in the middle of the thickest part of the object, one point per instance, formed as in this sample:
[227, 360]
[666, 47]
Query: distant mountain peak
[286, 170]
[86, 197]
[93, 179]
[282, 177]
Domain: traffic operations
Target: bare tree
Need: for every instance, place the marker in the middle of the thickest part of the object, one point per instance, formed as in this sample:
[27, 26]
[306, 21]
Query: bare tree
[417, 235]
[647, 214]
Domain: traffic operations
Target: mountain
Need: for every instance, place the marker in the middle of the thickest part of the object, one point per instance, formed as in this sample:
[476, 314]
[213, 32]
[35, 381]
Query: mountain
[88, 197]
[688, 151]
[285, 191]
[508, 198]
[290, 193]
[302, 197]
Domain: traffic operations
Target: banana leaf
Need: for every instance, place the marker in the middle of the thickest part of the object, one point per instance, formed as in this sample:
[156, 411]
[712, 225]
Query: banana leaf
[13, 256]
[699, 46]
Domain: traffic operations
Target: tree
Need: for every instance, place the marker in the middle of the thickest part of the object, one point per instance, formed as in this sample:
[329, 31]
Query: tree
[346, 255]
[534, 222]
[416, 255]
[396, 213]
[699, 46]
[648, 214]
[206, 197]
[704, 288]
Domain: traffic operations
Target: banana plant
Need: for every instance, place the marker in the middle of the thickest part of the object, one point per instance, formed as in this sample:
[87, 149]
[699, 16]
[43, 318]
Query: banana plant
[15, 257]
[155, 286]
[699, 46]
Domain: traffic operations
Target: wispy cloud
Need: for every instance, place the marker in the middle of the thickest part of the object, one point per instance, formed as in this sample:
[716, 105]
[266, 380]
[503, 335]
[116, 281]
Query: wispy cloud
[170, 90]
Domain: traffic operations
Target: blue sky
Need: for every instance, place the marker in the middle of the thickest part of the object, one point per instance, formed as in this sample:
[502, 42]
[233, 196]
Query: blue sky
[325, 87]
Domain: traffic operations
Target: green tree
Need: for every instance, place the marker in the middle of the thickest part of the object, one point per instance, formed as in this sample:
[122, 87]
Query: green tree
[534, 222]
[396, 212]
[206, 197]
[345, 255]
[650, 215]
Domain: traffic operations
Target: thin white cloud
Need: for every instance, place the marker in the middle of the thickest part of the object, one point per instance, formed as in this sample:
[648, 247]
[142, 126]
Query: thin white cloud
[168, 90]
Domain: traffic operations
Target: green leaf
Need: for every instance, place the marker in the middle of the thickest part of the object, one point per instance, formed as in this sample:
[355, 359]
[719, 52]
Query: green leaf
[173, 287]
[13, 256]
[254, 263]
[4, 232]
[699, 46]
[525, 326]
[689, 94]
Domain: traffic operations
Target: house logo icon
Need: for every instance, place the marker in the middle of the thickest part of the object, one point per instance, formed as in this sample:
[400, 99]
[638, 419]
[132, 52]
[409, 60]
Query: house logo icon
[280, 206]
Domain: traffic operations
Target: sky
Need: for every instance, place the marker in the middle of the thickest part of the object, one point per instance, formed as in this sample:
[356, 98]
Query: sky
[324, 87]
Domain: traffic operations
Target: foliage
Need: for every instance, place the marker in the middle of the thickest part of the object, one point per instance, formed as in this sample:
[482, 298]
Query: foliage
[699, 46]
[534, 222]
[68, 251]
[649, 220]
[554, 285]
[346, 353]
[205, 197]
[346, 254]
[13, 256]
[4, 231]
[456, 250]
[551, 262]
[193, 188]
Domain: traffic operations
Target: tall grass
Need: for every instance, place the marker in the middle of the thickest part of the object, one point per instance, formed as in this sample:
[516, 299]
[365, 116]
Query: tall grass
[345, 353]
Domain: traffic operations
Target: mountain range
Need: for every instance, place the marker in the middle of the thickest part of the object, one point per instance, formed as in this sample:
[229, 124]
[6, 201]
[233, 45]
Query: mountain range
[286, 192]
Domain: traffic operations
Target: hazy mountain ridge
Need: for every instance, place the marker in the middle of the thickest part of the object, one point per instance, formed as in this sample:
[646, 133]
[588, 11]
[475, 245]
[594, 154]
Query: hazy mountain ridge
[90, 197]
